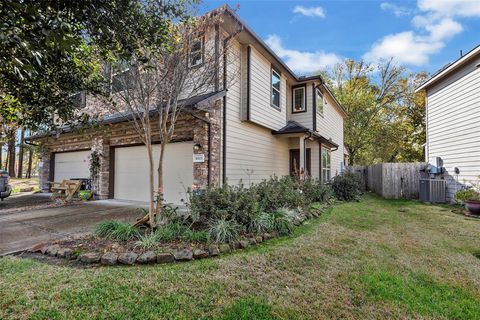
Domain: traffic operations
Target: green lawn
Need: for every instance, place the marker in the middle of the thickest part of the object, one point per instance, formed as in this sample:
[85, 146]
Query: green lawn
[373, 259]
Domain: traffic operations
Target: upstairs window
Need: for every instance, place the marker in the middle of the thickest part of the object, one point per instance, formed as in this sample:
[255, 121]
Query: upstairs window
[275, 100]
[299, 104]
[319, 101]
[195, 57]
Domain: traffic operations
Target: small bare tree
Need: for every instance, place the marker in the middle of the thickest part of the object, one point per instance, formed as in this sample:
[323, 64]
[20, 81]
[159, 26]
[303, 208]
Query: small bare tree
[152, 90]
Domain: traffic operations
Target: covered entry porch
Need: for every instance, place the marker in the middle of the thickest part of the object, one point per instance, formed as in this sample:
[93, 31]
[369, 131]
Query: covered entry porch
[309, 152]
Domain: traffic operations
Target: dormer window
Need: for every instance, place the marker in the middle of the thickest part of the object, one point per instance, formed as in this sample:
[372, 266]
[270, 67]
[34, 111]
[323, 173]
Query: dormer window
[319, 101]
[299, 103]
[195, 57]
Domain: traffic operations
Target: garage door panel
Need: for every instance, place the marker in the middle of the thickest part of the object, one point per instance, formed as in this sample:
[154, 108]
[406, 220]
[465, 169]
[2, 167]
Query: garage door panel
[70, 165]
[132, 172]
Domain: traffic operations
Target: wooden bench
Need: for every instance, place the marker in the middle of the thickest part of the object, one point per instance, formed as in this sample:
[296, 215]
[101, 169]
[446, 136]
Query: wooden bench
[66, 188]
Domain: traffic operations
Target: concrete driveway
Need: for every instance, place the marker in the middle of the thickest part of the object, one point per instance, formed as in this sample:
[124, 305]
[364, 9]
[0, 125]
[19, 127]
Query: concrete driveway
[21, 230]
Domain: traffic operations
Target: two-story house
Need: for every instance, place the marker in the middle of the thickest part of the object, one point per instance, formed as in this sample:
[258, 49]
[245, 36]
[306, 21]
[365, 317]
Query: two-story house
[268, 121]
[453, 121]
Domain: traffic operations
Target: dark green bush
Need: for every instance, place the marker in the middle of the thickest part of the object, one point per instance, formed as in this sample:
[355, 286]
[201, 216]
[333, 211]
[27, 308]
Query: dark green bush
[226, 202]
[277, 193]
[314, 191]
[346, 187]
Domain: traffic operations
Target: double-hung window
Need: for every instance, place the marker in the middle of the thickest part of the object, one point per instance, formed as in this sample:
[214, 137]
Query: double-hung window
[319, 101]
[298, 100]
[326, 164]
[275, 100]
[195, 57]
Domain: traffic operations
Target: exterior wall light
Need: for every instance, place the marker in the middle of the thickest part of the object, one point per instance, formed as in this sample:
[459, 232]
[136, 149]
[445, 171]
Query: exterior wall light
[197, 147]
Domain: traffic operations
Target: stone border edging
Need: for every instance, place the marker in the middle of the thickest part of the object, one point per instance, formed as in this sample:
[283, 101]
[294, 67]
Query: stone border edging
[150, 257]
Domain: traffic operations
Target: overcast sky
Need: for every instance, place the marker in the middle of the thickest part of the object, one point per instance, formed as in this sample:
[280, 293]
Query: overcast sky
[312, 35]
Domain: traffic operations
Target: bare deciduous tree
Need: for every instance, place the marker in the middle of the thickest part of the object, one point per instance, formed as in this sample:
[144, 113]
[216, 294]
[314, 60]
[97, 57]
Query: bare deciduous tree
[152, 90]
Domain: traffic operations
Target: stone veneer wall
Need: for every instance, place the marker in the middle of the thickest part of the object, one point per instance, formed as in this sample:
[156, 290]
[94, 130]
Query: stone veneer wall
[101, 139]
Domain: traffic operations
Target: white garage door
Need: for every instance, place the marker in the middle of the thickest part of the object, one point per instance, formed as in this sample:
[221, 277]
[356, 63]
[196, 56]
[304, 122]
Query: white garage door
[70, 165]
[132, 172]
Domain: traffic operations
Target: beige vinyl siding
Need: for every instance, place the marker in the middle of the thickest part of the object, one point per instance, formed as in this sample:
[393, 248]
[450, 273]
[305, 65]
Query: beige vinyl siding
[261, 111]
[453, 130]
[304, 118]
[330, 126]
[253, 153]
[315, 154]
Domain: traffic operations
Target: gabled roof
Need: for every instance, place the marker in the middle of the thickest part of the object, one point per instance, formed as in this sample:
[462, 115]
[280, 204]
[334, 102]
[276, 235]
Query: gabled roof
[187, 105]
[295, 127]
[442, 73]
[257, 38]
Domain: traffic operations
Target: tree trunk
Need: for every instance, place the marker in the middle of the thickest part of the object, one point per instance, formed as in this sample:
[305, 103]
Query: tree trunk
[29, 167]
[1, 156]
[160, 181]
[150, 217]
[151, 211]
[11, 153]
[20, 155]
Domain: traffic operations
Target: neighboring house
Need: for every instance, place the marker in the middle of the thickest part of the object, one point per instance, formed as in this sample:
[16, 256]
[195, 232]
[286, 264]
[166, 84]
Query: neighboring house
[453, 120]
[267, 122]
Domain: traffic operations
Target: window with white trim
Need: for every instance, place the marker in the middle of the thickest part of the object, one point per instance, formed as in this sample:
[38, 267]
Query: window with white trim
[299, 99]
[319, 101]
[195, 57]
[275, 100]
[326, 164]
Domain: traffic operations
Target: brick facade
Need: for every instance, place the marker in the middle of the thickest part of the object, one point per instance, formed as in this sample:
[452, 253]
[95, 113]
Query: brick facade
[103, 138]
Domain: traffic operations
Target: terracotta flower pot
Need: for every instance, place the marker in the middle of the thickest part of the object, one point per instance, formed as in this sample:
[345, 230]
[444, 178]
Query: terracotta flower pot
[473, 206]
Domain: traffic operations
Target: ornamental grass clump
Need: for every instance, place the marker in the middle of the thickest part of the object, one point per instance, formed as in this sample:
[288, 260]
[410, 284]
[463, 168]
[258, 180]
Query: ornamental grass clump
[282, 221]
[223, 230]
[116, 230]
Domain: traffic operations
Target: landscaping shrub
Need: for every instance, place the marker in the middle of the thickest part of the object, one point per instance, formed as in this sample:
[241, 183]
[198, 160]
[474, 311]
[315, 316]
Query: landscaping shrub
[260, 222]
[346, 187]
[196, 236]
[314, 191]
[277, 193]
[465, 195]
[147, 241]
[224, 231]
[170, 232]
[282, 221]
[116, 230]
[226, 202]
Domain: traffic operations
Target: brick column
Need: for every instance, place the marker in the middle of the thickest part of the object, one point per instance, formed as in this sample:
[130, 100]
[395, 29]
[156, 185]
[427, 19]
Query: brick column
[200, 136]
[44, 169]
[101, 182]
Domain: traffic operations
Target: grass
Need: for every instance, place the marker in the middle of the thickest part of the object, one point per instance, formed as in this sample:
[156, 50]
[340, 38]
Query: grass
[365, 260]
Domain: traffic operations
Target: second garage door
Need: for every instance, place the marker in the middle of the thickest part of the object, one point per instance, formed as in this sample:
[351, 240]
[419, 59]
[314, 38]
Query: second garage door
[71, 165]
[131, 172]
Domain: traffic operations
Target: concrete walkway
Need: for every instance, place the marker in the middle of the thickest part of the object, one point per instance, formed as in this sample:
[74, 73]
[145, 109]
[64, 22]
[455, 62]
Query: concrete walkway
[21, 230]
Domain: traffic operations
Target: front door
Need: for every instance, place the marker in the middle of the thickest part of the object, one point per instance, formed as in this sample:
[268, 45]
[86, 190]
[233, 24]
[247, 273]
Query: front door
[295, 162]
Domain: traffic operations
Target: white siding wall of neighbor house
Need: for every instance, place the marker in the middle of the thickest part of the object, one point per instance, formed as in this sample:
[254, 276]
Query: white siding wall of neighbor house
[453, 125]
[253, 153]
[261, 111]
[330, 125]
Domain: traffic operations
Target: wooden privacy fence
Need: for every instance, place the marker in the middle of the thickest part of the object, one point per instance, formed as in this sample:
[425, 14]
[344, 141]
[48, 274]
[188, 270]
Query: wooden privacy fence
[392, 180]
